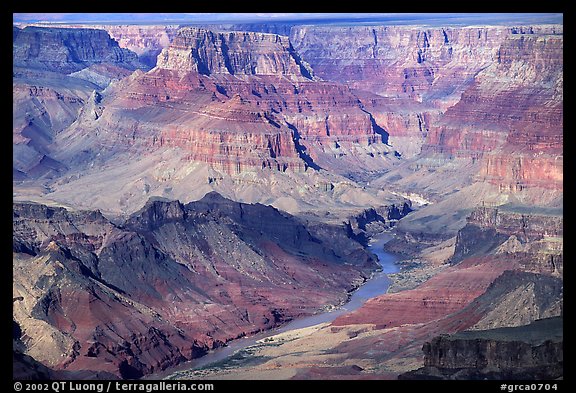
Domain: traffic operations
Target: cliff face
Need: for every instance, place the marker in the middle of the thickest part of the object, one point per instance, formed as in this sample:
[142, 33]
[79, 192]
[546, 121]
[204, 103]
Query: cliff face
[240, 102]
[419, 62]
[534, 240]
[170, 283]
[234, 53]
[511, 116]
[67, 50]
[530, 352]
[55, 71]
[490, 95]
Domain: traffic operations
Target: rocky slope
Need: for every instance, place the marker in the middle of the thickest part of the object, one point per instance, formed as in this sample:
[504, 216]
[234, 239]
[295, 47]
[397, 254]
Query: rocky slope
[454, 118]
[511, 117]
[235, 112]
[504, 259]
[500, 143]
[232, 82]
[41, 110]
[169, 284]
[55, 70]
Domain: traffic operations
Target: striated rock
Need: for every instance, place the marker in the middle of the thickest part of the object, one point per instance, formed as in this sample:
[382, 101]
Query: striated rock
[405, 121]
[415, 61]
[533, 239]
[511, 117]
[441, 295]
[170, 283]
[236, 118]
[67, 50]
[46, 101]
[530, 352]
[490, 94]
[234, 53]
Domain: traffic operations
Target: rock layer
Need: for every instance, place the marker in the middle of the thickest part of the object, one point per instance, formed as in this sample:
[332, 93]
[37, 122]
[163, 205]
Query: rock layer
[531, 352]
[234, 53]
[532, 239]
[55, 70]
[67, 50]
[489, 94]
[240, 102]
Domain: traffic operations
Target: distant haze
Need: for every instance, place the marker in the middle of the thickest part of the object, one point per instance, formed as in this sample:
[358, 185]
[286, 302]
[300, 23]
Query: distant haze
[337, 18]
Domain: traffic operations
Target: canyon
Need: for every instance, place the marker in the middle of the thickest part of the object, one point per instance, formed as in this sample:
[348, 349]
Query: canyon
[162, 287]
[178, 187]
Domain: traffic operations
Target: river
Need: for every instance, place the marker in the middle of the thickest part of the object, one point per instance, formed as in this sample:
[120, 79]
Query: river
[377, 285]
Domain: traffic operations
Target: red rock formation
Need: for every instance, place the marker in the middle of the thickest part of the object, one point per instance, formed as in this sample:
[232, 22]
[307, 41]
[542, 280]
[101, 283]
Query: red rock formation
[414, 61]
[505, 82]
[442, 295]
[40, 112]
[510, 274]
[169, 284]
[239, 101]
[511, 117]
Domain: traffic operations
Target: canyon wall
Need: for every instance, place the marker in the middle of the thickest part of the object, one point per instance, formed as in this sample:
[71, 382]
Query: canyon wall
[443, 111]
[530, 352]
[425, 63]
[240, 102]
[235, 53]
[533, 240]
[54, 72]
[67, 50]
[492, 95]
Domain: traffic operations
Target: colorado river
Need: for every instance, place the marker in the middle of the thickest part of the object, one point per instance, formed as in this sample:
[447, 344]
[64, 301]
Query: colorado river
[377, 285]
